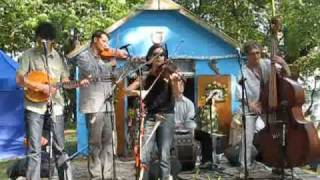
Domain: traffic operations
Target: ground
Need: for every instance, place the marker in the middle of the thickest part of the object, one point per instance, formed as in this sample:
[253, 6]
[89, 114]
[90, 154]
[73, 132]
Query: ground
[126, 170]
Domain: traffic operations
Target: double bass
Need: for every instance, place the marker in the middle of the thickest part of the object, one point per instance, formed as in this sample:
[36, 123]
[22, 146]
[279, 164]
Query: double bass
[288, 140]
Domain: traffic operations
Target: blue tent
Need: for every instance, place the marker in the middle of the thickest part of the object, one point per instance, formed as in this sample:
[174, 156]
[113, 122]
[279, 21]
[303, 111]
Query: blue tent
[11, 110]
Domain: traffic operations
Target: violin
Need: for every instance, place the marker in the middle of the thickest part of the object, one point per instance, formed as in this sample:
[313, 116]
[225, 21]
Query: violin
[109, 53]
[167, 68]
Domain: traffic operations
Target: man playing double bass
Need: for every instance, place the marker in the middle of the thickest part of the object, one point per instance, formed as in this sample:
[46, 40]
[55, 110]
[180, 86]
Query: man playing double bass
[256, 74]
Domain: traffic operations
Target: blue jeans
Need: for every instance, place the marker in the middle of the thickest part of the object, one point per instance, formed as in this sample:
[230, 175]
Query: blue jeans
[34, 123]
[163, 139]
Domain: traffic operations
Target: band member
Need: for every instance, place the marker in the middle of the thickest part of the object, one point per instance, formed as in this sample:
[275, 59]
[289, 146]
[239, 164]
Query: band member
[256, 72]
[159, 101]
[184, 114]
[34, 60]
[97, 105]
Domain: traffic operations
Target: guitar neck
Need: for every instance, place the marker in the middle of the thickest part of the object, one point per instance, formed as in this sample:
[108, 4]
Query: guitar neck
[68, 85]
[76, 84]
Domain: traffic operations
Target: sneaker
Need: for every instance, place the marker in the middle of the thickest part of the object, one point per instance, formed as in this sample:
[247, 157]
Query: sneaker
[217, 168]
[205, 165]
[241, 175]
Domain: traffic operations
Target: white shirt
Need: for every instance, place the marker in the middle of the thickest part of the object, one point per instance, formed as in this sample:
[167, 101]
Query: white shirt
[252, 82]
[184, 112]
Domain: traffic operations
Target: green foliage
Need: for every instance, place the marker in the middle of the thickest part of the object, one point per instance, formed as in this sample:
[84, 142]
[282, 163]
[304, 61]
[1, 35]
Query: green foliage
[301, 19]
[240, 19]
[309, 63]
[249, 20]
[20, 17]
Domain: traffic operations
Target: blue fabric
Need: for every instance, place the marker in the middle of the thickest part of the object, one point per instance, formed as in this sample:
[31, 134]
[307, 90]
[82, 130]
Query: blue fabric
[11, 110]
[8, 70]
[82, 131]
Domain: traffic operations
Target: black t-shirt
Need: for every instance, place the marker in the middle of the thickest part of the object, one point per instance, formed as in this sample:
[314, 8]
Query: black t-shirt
[160, 98]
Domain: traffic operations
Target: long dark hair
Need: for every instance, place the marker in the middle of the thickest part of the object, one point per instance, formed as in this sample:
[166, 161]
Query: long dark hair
[151, 50]
[154, 47]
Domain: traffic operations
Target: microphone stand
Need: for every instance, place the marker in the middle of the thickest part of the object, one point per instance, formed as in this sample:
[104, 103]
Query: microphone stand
[139, 174]
[111, 97]
[49, 108]
[244, 101]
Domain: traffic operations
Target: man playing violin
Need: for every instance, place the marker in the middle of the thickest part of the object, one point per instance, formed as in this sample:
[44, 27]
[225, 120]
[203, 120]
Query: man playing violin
[34, 60]
[97, 105]
[159, 102]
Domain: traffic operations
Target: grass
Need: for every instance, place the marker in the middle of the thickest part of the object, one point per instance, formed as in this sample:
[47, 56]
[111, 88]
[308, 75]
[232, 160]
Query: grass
[70, 147]
[3, 169]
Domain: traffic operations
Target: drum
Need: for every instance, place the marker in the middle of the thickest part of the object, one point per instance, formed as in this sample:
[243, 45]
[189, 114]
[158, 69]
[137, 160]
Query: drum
[185, 148]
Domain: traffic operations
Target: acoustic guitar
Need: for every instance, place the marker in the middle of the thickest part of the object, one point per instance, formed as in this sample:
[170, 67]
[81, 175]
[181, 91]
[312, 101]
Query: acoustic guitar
[35, 95]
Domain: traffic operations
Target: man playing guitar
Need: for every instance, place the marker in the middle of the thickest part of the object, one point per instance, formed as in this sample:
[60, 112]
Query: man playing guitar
[43, 58]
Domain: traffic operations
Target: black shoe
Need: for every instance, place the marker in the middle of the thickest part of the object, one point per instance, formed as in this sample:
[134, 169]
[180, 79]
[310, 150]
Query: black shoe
[215, 167]
[206, 165]
[276, 171]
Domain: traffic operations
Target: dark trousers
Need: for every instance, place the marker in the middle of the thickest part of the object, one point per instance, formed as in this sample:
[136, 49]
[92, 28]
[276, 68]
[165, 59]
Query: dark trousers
[206, 145]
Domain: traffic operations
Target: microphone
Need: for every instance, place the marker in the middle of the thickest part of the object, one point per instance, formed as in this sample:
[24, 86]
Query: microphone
[45, 46]
[212, 93]
[125, 46]
[238, 51]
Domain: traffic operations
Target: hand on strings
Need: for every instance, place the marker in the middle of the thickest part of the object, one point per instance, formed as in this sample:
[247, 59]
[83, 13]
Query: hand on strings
[176, 76]
[255, 107]
[123, 53]
[278, 59]
[282, 62]
[113, 62]
[46, 89]
[86, 81]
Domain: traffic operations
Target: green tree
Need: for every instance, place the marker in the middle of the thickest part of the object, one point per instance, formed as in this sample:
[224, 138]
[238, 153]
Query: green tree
[249, 20]
[240, 19]
[20, 17]
[302, 24]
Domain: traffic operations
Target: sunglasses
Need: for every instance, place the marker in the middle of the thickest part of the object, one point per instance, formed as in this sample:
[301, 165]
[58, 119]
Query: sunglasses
[158, 54]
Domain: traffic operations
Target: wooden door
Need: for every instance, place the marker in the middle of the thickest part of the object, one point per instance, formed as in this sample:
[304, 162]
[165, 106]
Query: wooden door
[120, 117]
[206, 83]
